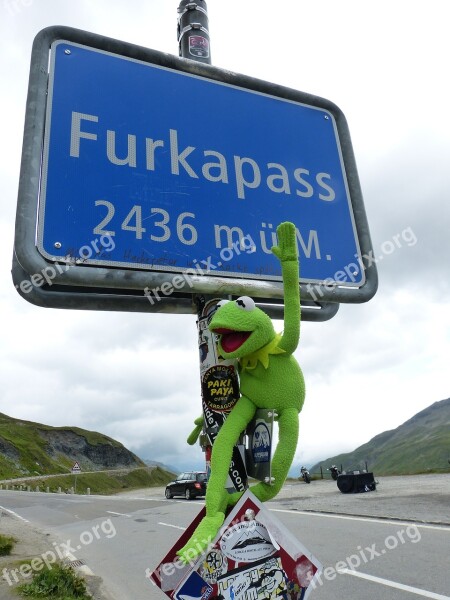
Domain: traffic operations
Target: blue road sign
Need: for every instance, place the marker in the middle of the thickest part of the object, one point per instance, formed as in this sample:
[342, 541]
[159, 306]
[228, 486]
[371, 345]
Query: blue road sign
[150, 168]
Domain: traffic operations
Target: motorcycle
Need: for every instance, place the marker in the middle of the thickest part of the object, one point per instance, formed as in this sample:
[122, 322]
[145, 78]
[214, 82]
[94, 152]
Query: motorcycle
[334, 472]
[305, 475]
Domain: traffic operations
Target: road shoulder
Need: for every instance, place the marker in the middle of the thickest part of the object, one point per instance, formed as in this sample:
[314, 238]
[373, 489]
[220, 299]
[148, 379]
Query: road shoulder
[33, 543]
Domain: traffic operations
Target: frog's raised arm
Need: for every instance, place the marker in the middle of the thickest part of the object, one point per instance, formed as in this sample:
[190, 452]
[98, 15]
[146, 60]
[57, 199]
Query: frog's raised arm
[287, 253]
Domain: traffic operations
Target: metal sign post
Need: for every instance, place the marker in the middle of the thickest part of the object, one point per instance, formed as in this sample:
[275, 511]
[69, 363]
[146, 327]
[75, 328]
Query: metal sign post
[219, 378]
[193, 32]
[220, 392]
[76, 470]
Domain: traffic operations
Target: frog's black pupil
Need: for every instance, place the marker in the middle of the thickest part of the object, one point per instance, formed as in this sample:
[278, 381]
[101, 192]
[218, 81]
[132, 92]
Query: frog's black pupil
[240, 303]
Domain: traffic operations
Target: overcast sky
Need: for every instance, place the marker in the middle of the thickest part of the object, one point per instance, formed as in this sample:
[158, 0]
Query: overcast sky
[135, 376]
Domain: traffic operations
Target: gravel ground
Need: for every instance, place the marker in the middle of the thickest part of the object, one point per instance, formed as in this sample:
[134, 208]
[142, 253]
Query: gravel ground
[421, 498]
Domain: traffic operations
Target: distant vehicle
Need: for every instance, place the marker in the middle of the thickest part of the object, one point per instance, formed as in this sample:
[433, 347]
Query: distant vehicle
[189, 484]
[334, 472]
[305, 475]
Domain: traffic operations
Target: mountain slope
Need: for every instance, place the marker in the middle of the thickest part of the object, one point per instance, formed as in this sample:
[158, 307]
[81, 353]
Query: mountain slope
[168, 468]
[28, 448]
[420, 444]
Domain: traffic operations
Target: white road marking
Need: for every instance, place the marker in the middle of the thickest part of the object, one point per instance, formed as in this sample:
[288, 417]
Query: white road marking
[14, 514]
[111, 512]
[394, 584]
[169, 525]
[365, 519]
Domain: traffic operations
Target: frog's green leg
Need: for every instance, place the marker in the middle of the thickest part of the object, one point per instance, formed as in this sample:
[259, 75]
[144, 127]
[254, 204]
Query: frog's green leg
[283, 457]
[216, 494]
[222, 450]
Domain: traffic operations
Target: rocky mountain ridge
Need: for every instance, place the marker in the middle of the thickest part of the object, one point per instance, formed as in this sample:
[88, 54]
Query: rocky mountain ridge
[28, 448]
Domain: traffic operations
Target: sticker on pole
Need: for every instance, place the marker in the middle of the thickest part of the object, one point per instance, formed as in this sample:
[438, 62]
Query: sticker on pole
[220, 393]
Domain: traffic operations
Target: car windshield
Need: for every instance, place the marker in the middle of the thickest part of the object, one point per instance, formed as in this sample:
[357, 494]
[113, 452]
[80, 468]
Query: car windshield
[201, 476]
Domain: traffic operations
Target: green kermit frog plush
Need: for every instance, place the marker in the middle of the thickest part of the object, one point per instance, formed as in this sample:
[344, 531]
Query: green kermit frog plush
[270, 378]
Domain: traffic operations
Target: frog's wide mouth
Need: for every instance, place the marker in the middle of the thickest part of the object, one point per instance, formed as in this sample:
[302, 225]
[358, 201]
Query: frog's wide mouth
[231, 340]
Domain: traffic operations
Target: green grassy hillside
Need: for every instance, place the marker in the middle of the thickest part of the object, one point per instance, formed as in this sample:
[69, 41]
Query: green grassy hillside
[102, 483]
[420, 445]
[30, 449]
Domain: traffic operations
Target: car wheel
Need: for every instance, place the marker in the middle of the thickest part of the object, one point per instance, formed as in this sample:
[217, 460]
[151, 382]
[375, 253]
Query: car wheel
[188, 494]
[168, 494]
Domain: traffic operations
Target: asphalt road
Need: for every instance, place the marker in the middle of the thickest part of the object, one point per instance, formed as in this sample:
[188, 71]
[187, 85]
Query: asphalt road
[122, 537]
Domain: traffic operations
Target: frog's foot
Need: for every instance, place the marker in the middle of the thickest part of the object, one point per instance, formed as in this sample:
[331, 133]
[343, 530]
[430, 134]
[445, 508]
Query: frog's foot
[233, 498]
[202, 537]
[265, 491]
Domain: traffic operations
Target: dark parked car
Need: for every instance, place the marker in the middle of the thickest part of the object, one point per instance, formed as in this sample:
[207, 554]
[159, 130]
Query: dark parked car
[190, 485]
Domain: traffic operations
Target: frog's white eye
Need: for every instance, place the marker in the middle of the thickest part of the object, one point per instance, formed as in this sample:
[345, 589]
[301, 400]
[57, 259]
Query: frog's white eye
[245, 303]
[221, 303]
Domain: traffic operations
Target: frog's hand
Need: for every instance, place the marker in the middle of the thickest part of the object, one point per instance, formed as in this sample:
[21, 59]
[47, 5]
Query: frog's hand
[193, 436]
[202, 537]
[287, 243]
[287, 253]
